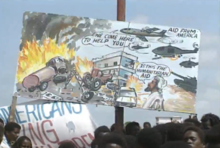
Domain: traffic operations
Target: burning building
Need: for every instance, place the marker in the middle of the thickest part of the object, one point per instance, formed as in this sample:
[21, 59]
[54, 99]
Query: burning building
[120, 64]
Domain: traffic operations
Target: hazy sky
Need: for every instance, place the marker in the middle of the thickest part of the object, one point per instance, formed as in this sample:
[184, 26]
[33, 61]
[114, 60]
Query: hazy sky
[199, 14]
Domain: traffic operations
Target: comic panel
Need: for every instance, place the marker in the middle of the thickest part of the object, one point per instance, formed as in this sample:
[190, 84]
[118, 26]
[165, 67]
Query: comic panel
[68, 58]
[165, 74]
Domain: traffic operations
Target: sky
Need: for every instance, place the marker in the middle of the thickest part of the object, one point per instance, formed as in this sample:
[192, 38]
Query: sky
[199, 14]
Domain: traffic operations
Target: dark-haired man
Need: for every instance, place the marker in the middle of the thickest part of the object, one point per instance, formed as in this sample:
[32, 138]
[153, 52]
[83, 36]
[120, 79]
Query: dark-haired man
[213, 137]
[194, 137]
[132, 128]
[149, 138]
[209, 120]
[12, 131]
[112, 140]
[147, 125]
[67, 144]
[1, 134]
[99, 133]
[1, 122]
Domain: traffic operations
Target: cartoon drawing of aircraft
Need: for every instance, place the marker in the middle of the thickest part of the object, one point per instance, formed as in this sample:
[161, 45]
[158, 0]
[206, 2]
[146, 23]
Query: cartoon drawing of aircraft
[188, 64]
[171, 51]
[145, 32]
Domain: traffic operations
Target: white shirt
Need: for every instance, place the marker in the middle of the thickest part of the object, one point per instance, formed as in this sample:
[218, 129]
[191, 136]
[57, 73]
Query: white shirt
[154, 101]
[4, 143]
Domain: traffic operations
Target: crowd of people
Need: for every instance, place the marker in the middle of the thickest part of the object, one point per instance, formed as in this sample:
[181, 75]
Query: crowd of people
[192, 133]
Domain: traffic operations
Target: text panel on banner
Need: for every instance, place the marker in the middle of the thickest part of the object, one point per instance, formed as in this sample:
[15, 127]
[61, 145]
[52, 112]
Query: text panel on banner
[48, 124]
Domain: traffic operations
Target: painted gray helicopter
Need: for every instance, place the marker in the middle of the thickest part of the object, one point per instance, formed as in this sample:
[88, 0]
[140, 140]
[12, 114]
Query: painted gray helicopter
[143, 33]
[188, 64]
[171, 51]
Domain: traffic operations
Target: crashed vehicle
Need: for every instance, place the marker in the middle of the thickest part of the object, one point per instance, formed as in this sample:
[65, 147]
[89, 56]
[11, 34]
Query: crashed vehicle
[39, 79]
[94, 80]
[126, 97]
[55, 71]
[58, 63]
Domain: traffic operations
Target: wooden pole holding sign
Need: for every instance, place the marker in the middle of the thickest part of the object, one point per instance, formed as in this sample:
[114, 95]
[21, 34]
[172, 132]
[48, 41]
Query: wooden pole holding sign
[119, 111]
[12, 109]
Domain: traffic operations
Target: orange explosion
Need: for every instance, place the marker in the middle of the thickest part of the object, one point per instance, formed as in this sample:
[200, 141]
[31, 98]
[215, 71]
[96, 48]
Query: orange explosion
[34, 56]
[83, 66]
[174, 58]
[134, 83]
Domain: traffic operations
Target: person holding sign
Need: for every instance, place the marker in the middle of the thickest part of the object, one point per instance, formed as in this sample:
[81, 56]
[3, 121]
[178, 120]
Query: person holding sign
[12, 131]
[22, 142]
[155, 100]
[1, 134]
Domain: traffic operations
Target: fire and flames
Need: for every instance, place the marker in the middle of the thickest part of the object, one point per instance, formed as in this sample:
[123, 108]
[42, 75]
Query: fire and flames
[134, 83]
[174, 58]
[34, 56]
[83, 66]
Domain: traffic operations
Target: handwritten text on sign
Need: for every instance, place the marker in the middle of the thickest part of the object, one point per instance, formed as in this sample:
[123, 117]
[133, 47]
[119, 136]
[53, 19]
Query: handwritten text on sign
[41, 123]
[146, 71]
[185, 33]
[112, 40]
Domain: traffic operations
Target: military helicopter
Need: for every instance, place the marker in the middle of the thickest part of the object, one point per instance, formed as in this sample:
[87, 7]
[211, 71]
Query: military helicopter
[187, 83]
[188, 64]
[145, 32]
[171, 51]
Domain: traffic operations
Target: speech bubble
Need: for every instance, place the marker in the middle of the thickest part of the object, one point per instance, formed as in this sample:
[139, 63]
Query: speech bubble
[113, 40]
[147, 70]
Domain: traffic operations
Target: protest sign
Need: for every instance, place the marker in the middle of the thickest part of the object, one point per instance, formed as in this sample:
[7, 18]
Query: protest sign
[47, 124]
[105, 62]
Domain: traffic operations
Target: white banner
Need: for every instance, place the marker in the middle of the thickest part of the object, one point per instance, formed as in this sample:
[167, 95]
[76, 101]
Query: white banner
[49, 123]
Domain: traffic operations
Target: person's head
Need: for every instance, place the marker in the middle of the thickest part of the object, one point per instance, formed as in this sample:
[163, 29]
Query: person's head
[112, 128]
[209, 120]
[2, 122]
[171, 131]
[147, 125]
[175, 131]
[100, 131]
[112, 140]
[119, 132]
[152, 85]
[1, 133]
[22, 142]
[156, 84]
[193, 122]
[162, 128]
[149, 138]
[195, 137]
[175, 144]
[12, 131]
[213, 137]
[131, 141]
[132, 128]
[67, 144]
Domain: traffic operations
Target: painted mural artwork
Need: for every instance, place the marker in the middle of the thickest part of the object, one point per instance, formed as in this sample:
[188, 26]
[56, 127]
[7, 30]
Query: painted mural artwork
[95, 61]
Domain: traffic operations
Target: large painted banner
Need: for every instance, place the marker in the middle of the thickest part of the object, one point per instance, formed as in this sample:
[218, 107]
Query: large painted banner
[97, 61]
[47, 124]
